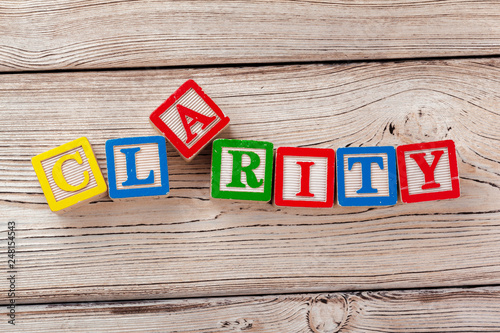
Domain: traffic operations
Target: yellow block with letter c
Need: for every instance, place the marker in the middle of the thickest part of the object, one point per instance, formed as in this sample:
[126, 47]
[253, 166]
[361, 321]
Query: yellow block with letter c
[96, 184]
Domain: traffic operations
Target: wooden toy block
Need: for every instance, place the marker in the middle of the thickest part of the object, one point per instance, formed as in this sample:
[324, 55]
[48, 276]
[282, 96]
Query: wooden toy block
[366, 176]
[242, 170]
[428, 171]
[189, 119]
[304, 177]
[137, 167]
[69, 175]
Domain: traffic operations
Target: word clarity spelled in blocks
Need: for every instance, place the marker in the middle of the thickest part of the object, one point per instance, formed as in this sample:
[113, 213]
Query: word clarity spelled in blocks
[137, 167]
[189, 119]
[366, 176]
[304, 177]
[69, 175]
[242, 170]
[428, 171]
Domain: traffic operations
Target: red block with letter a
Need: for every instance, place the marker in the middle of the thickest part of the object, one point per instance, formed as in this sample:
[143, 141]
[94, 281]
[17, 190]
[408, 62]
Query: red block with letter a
[428, 171]
[304, 177]
[189, 119]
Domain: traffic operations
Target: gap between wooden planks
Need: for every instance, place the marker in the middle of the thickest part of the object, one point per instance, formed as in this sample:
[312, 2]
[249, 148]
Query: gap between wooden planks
[73, 34]
[453, 310]
[189, 245]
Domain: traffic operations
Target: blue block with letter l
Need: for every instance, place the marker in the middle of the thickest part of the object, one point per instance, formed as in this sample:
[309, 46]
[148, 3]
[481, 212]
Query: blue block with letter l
[137, 167]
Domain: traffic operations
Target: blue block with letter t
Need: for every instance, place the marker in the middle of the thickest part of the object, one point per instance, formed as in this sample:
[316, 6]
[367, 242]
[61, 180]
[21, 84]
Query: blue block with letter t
[367, 176]
[137, 167]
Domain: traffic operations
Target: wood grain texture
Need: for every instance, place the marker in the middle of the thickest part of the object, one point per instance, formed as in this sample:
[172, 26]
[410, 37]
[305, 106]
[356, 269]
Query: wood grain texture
[190, 245]
[72, 34]
[455, 310]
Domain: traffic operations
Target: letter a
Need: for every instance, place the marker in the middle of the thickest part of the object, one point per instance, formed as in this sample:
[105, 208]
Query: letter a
[428, 170]
[196, 117]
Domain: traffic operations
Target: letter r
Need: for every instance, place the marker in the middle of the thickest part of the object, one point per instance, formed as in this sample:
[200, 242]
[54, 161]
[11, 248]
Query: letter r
[238, 168]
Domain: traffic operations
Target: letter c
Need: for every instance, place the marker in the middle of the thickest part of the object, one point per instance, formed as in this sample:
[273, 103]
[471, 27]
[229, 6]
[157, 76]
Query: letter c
[59, 177]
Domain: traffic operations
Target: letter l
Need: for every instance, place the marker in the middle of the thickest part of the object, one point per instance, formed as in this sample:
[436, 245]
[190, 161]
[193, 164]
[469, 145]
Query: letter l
[132, 169]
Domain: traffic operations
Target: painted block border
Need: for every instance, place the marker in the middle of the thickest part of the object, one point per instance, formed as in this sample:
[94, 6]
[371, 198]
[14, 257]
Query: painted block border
[81, 197]
[186, 152]
[216, 170]
[406, 197]
[281, 152]
[368, 201]
[114, 193]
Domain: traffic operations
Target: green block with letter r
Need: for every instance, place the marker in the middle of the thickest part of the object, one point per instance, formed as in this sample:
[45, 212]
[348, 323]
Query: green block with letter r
[242, 170]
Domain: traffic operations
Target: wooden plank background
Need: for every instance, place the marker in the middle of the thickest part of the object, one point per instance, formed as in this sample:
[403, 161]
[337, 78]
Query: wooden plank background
[149, 265]
[190, 245]
[42, 35]
[456, 310]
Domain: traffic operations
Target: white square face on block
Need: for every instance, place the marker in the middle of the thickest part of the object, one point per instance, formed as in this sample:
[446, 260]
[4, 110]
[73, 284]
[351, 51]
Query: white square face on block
[353, 178]
[73, 173]
[193, 101]
[292, 173]
[416, 178]
[146, 159]
[226, 169]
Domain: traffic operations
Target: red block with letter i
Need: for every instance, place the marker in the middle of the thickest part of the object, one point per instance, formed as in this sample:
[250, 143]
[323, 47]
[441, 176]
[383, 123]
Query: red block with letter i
[428, 171]
[304, 177]
[189, 119]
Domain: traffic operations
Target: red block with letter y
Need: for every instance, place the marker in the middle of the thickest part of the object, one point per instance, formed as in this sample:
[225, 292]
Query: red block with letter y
[428, 171]
[189, 119]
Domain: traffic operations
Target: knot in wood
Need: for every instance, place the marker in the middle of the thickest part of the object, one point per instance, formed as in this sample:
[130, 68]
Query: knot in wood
[240, 324]
[328, 313]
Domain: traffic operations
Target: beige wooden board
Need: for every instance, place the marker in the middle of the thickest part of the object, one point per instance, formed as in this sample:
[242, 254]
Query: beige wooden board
[104, 34]
[455, 310]
[189, 245]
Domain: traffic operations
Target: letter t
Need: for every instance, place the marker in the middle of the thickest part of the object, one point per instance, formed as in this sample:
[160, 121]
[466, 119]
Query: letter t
[366, 171]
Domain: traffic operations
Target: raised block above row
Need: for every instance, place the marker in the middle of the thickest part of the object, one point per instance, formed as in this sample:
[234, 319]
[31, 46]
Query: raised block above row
[189, 119]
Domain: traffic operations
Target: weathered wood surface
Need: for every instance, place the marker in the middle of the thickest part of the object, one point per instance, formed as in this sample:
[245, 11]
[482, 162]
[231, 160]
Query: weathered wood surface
[69, 34]
[190, 245]
[456, 310]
